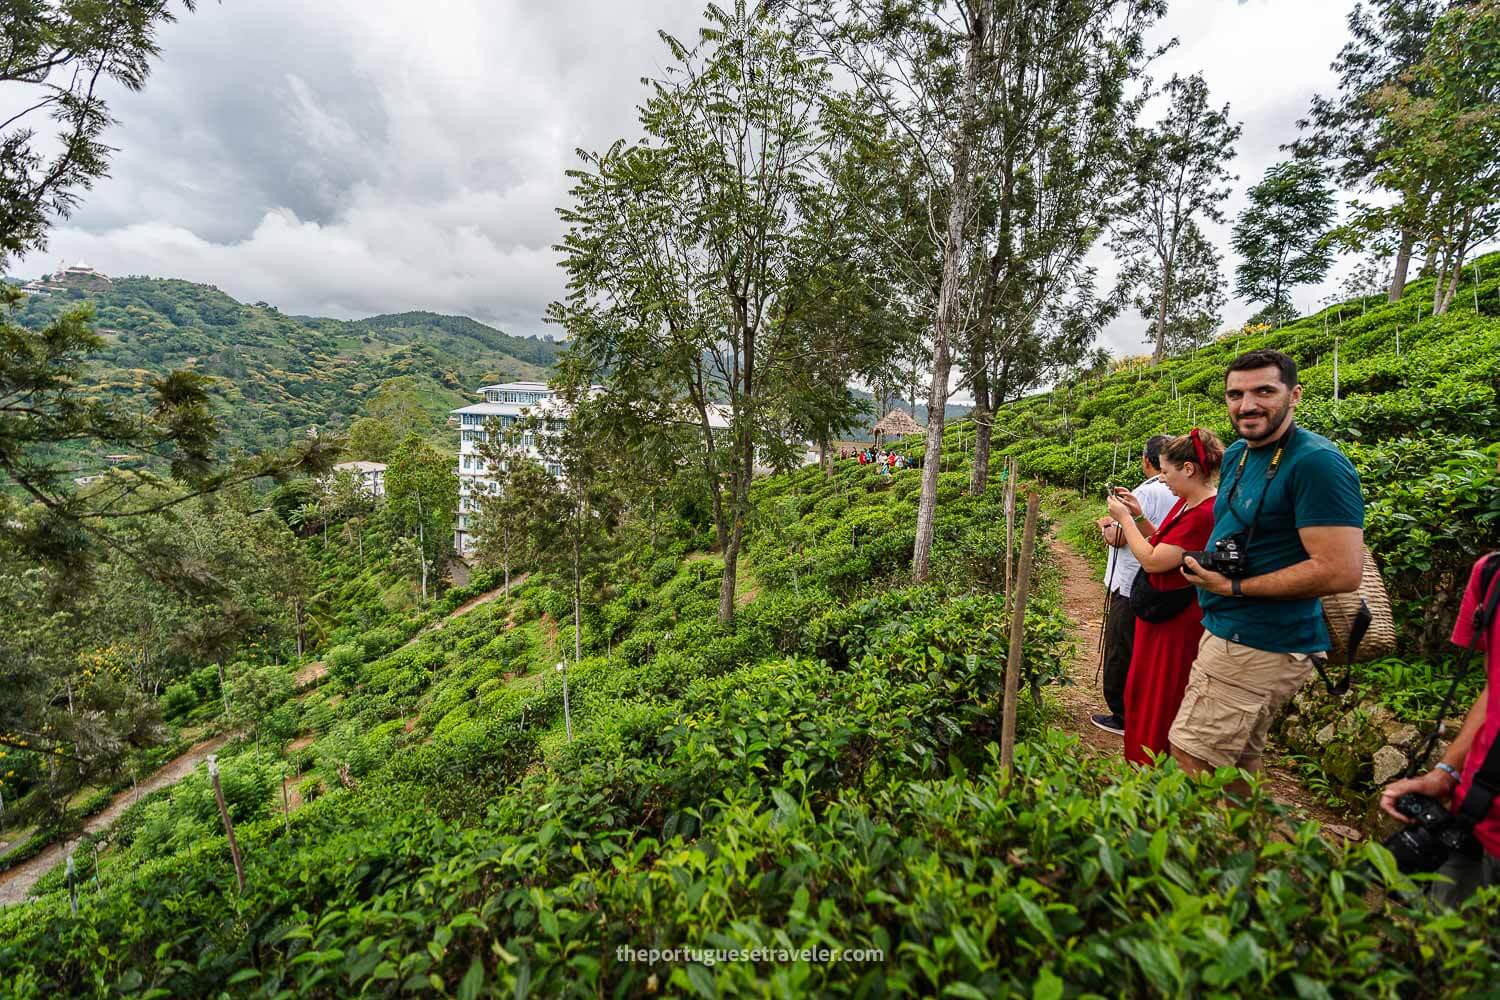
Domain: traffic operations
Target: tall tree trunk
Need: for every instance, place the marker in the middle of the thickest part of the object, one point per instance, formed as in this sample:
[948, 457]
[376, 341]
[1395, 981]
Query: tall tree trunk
[979, 474]
[577, 594]
[1403, 262]
[1161, 313]
[1455, 262]
[824, 461]
[727, 581]
[950, 304]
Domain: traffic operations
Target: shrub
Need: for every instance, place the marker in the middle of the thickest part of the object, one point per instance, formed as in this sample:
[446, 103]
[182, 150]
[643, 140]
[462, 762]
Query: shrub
[344, 664]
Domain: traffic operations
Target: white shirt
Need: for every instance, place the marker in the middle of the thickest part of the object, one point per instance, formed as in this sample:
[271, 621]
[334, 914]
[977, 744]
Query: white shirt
[1156, 503]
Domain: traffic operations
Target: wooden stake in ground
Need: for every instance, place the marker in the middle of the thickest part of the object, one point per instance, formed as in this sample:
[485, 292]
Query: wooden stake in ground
[1010, 525]
[286, 806]
[72, 878]
[234, 846]
[1017, 643]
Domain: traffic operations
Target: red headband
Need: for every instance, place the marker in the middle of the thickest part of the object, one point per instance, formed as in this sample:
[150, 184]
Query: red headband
[1198, 448]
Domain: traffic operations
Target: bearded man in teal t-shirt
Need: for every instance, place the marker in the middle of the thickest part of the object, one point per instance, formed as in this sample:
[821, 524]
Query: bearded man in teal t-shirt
[1290, 502]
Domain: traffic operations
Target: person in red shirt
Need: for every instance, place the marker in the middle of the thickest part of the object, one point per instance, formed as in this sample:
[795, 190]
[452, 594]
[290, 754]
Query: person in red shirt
[1163, 649]
[1454, 775]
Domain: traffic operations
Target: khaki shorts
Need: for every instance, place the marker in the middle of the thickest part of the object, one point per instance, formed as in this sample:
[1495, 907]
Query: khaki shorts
[1233, 695]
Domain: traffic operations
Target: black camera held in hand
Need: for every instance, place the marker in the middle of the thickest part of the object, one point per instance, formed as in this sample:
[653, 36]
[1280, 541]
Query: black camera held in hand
[1433, 836]
[1227, 557]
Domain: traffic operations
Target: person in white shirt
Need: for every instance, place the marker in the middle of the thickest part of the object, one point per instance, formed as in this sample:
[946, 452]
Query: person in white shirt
[1119, 628]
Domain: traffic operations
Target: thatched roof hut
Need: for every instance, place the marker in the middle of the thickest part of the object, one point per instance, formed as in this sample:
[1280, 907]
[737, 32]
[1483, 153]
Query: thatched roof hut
[897, 423]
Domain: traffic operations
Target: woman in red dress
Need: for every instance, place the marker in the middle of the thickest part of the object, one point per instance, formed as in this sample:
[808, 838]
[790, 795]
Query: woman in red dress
[1164, 650]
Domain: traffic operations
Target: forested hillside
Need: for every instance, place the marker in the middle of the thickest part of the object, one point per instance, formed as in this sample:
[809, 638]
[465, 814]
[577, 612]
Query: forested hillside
[277, 375]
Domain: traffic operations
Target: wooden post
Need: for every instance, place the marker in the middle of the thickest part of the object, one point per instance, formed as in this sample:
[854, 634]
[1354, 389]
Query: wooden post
[72, 878]
[1017, 643]
[286, 806]
[1010, 525]
[234, 846]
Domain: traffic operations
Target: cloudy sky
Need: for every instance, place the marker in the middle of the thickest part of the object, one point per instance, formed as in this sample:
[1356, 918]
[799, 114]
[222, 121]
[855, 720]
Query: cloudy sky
[352, 157]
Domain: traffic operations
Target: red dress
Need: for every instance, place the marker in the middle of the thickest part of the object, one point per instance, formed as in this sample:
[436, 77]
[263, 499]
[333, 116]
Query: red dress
[1164, 651]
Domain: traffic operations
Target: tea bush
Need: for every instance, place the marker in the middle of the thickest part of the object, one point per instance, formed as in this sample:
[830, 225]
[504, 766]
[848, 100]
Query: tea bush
[822, 773]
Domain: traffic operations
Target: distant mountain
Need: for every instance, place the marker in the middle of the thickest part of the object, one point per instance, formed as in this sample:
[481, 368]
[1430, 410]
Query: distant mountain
[277, 374]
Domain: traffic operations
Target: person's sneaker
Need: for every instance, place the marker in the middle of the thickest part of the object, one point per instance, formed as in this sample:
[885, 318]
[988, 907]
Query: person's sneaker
[1109, 723]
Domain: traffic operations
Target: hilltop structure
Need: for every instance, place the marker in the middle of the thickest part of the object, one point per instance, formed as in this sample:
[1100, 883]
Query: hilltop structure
[66, 277]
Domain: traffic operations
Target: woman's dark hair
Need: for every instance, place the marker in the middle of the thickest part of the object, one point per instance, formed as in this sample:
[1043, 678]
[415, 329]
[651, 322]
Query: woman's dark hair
[1201, 447]
[1154, 445]
[1266, 357]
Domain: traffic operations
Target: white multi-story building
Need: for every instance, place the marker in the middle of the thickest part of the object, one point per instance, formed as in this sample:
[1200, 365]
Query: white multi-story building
[505, 403]
[371, 476]
[509, 402]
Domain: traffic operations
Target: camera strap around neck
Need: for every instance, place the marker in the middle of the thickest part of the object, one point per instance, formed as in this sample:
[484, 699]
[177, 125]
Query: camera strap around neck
[1486, 784]
[1271, 470]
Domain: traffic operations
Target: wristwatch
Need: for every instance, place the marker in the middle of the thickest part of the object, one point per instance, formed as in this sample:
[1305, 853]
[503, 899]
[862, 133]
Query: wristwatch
[1234, 586]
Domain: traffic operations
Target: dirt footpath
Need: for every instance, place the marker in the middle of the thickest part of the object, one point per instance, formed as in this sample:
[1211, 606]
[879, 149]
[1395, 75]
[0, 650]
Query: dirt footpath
[1083, 597]
[17, 882]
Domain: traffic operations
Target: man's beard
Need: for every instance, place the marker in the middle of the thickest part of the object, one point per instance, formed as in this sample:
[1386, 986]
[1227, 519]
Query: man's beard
[1275, 421]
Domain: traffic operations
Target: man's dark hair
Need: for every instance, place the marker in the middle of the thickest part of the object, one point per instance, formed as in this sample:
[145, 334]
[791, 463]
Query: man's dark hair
[1154, 445]
[1266, 357]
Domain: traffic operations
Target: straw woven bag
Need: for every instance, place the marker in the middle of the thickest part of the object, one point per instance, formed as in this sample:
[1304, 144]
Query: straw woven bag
[1344, 614]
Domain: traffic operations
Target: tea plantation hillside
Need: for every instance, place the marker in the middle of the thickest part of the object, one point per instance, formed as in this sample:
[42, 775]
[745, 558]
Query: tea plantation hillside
[822, 776]
[275, 375]
[1414, 403]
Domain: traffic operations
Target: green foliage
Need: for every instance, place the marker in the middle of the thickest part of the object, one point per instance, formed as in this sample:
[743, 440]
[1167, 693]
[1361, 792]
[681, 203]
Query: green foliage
[1279, 235]
[272, 376]
[57, 60]
[344, 663]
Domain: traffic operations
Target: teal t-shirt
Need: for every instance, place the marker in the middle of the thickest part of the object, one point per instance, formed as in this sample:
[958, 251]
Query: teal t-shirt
[1316, 485]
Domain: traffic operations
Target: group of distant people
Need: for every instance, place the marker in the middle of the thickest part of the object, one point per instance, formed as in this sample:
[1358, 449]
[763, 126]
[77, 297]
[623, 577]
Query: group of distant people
[1217, 564]
[888, 461]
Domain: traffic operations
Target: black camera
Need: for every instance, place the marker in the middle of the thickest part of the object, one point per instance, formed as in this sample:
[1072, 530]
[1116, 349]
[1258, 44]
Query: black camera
[1433, 835]
[1227, 557]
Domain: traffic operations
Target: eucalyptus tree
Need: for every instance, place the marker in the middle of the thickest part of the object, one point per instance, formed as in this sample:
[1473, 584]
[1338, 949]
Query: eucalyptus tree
[1198, 292]
[516, 514]
[1280, 236]
[941, 73]
[679, 249]
[1062, 109]
[1388, 38]
[1178, 178]
[846, 315]
[421, 489]
[1440, 146]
